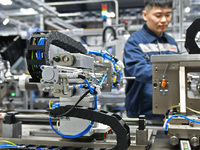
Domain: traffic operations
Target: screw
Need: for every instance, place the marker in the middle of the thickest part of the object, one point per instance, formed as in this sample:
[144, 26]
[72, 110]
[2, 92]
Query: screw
[65, 59]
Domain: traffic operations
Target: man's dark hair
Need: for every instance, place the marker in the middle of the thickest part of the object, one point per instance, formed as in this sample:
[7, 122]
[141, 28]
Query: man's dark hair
[158, 3]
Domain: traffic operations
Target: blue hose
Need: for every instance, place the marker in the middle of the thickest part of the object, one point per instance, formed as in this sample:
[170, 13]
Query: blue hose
[90, 88]
[100, 54]
[39, 52]
[72, 136]
[79, 134]
[7, 146]
[97, 80]
[179, 116]
[55, 105]
[109, 58]
[101, 83]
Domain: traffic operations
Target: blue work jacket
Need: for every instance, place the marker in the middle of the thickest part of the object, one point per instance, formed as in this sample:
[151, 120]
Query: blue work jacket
[137, 54]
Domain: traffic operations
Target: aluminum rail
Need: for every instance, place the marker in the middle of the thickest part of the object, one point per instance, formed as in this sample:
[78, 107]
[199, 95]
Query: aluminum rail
[32, 117]
[53, 25]
[180, 18]
[45, 118]
[63, 23]
[14, 21]
[54, 12]
[46, 7]
[29, 117]
[93, 1]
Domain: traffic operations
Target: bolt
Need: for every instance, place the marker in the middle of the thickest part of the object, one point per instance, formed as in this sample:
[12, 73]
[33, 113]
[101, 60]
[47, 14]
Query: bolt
[156, 106]
[194, 141]
[65, 59]
[174, 140]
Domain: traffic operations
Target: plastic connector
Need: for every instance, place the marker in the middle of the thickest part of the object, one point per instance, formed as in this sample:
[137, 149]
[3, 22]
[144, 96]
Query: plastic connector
[163, 83]
[81, 76]
[56, 59]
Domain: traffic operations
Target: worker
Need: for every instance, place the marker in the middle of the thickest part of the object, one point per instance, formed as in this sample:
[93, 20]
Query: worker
[150, 40]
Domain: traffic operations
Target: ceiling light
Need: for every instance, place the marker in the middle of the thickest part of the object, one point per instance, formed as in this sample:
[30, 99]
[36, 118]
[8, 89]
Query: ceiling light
[6, 2]
[69, 14]
[187, 9]
[22, 10]
[6, 21]
[28, 11]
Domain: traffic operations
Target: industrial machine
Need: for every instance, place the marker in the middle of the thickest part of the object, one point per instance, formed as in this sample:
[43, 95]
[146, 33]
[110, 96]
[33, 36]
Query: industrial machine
[175, 85]
[77, 77]
[7, 81]
[176, 94]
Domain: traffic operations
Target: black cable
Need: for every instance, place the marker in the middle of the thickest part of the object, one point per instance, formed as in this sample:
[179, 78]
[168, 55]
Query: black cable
[167, 113]
[104, 34]
[80, 99]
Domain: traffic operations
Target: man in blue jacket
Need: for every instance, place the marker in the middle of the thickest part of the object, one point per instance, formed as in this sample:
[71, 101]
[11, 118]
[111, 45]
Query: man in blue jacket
[150, 40]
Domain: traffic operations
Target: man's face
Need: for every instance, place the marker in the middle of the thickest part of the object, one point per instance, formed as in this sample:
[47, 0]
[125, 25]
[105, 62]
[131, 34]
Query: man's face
[157, 19]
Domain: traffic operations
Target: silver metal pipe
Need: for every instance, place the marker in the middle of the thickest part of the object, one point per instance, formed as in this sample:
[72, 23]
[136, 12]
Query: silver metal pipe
[174, 18]
[53, 25]
[41, 22]
[36, 117]
[14, 21]
[46, 7]
[63, 23]
[42, 19]
[86, 2]
[183, 40]
[181, 19]
[25, 96]
[129, 78]
[32, 117]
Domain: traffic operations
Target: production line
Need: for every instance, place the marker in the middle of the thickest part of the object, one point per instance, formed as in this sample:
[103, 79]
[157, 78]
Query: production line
[77, 72]
[72, 95]
[72, 75]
